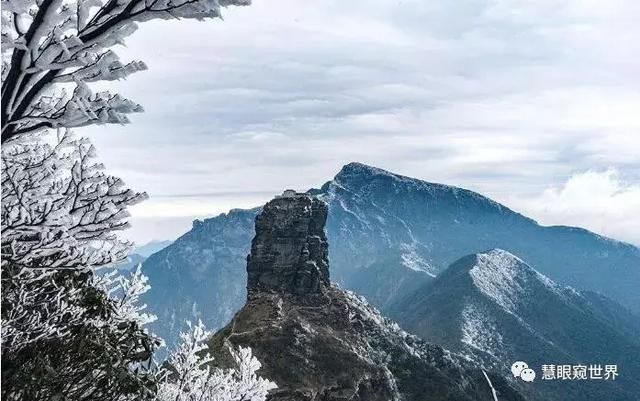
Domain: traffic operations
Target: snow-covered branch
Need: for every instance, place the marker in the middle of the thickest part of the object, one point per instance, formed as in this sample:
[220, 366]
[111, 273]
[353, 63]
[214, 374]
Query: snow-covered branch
[35, 310]
[189, 376]
[125, 292]
[59, 216]
[60, 212]
[46, 42]
[59, 209]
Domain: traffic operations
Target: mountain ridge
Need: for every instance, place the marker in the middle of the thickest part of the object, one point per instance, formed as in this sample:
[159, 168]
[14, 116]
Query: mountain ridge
[351, 167]
[390, 235]
[496, 309]
[440, 223]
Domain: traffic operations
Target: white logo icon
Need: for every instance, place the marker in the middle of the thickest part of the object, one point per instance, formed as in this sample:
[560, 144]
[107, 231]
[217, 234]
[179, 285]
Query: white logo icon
[528, 375]
[521, 369]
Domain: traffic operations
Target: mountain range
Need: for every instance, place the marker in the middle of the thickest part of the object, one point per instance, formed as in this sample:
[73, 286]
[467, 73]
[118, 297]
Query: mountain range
[140, 253]
[390, 236]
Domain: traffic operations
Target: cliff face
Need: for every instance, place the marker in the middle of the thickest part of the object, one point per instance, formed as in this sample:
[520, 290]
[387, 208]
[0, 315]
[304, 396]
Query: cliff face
[289, 253]
[320, 343]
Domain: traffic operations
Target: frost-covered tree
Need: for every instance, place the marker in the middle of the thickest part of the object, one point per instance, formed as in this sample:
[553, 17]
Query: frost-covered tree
[59, 208]
[68, 333]
[66, 339]
[52, 50]
[188, 376]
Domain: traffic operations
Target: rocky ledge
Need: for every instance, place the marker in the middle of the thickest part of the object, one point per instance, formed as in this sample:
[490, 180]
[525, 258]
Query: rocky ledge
[320, 343]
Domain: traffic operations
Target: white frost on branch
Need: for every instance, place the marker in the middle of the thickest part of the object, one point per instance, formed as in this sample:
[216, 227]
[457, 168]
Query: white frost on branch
[34, 310]
[59, 209]
[48, 42]
[59, 215]
[190, 377]
[125, 293]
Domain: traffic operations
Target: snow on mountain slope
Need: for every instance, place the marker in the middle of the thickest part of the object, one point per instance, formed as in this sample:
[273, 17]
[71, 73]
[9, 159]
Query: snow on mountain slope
[411, 259]
[319, 342]
[411, 225]
[480, 331]
[496, 309]
[201, 275]
[498, 274]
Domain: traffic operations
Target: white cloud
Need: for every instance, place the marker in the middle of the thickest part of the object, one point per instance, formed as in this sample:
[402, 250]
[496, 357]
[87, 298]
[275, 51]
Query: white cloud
[501, 96]
[600, 201]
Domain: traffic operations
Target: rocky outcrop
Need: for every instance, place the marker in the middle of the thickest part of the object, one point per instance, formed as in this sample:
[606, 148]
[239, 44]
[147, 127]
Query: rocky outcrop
[289, 253]
[320, 343]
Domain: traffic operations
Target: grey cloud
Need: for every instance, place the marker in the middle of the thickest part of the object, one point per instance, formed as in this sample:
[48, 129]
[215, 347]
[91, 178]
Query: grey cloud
[496, 96]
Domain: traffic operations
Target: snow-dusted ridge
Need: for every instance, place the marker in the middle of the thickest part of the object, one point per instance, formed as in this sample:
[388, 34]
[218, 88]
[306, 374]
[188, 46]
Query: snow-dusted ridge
[480, 331]
[412, 260]
[344, 179]
[505, 278]
[386, 234]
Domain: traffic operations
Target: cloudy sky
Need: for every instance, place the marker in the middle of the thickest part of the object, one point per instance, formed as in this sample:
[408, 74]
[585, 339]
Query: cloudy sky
[534, 104]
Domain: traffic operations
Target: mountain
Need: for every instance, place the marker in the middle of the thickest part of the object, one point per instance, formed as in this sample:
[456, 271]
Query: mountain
[496, 309]
[396, 226]
[141, 253]
[131, 262]
[151, 247]
[318, 342]
[389, 235]
[202, 271]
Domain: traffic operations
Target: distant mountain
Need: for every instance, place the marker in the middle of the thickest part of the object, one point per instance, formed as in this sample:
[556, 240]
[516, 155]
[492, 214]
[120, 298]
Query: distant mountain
[496, 309]
[318, 342]
[396, 226]
[131, 262]
[151, 247]
[141, 253]
[389, 236]
[201, 275]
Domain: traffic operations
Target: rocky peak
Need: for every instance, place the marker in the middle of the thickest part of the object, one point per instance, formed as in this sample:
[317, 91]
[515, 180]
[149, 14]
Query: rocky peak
[289, 253]
[318, 342]
[358, 173]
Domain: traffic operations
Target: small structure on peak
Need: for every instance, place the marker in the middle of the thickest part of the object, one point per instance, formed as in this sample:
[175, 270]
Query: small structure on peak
[291, 193]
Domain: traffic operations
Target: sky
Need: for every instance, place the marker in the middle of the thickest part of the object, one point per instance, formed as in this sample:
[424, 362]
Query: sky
[534, 104]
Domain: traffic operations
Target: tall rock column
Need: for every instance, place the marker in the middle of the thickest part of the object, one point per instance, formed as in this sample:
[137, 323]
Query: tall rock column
[289, 253]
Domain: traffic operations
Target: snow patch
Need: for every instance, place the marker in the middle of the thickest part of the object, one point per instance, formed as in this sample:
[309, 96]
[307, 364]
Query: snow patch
[498, 275]
[510, 283]
[479, 331]
[413, 261]
[506, 279]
